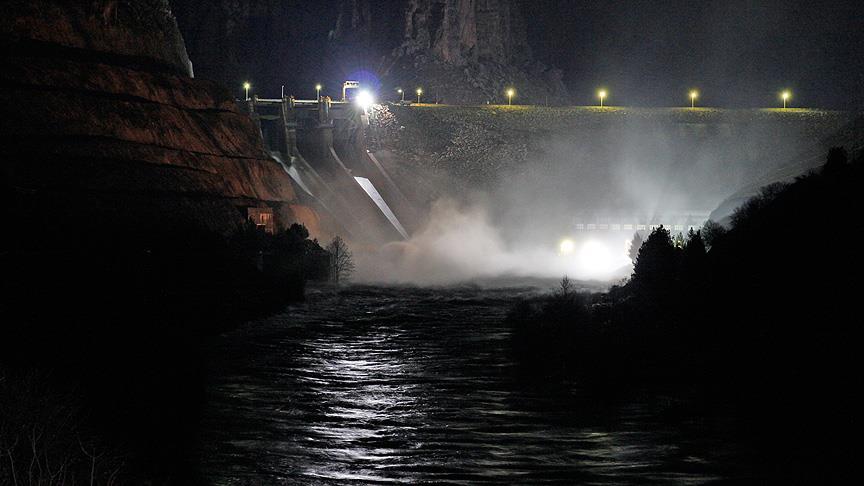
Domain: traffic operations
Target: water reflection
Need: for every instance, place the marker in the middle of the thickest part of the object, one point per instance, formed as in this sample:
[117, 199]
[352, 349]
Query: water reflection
[410, 385]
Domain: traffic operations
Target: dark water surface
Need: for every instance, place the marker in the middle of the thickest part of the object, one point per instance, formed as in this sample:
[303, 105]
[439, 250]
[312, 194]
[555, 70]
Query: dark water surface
[414, 385]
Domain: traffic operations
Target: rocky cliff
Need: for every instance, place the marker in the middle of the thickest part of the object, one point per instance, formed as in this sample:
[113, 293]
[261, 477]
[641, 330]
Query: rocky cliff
[102, 121]
[470, 51]
[460, 51]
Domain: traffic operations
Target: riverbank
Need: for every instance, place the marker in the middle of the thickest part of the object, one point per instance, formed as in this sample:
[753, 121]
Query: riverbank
[102, 341]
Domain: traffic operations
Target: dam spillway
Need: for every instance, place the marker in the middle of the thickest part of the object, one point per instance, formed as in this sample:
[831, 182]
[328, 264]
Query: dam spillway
[321, 145]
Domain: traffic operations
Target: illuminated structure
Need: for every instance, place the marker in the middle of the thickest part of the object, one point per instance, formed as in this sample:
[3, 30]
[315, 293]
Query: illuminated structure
[401, 93]
[510, 93]
[348, 87]
[419, 92]
[602, 95]
[246, 87]
[693, 95]
[785, 95]
[318, 91]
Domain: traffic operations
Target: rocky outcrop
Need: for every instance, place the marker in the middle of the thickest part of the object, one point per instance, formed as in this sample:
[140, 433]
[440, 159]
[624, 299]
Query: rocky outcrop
[471, 51]
[103, 121]
[459, 51]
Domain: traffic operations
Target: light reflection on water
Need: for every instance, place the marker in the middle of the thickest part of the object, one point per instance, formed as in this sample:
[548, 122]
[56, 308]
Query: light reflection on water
[415, 385]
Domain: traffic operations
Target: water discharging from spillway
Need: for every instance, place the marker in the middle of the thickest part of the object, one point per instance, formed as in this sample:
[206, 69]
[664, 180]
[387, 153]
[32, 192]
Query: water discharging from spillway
[397, 384]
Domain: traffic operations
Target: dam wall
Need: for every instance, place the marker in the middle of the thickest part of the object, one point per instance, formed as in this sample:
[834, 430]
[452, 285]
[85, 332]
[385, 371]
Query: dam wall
[543, 169]
[322, 145]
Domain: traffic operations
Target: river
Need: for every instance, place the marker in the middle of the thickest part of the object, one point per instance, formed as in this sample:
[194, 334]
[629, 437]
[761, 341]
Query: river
[402, 384]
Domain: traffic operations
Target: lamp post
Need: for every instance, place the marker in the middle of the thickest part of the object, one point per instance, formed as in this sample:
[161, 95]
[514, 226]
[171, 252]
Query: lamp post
[510, 93]
[693, 95]
[602, 94]
[785, 95]
[318, 91]
[401, 93]
[419, 92]
[246, 87]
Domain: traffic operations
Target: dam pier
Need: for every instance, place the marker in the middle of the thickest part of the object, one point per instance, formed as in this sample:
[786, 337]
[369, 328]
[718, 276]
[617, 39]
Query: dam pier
[321, 144]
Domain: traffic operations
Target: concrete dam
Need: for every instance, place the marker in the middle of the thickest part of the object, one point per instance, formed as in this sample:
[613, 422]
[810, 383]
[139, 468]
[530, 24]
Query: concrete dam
[550, 171]
[322, 146]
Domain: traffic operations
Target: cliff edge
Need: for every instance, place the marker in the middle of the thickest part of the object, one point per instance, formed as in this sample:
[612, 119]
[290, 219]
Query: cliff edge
[104, 123]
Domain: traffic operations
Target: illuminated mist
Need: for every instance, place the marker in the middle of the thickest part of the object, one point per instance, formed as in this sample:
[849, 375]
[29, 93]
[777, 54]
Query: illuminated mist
[510, 216]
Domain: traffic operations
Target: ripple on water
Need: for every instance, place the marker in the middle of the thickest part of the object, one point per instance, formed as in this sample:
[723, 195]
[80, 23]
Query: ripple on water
[415, 385]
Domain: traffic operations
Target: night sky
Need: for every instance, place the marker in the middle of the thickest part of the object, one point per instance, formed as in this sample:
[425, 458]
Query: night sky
[738, 53]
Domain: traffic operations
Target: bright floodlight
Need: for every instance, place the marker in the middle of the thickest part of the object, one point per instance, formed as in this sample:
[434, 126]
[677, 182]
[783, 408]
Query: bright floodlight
[602, 94]
[510, 93]
[419, 92]
[595, 259]
[785, 95]
[693, 95]
[365, 99]
[246, 87]
[566, 247]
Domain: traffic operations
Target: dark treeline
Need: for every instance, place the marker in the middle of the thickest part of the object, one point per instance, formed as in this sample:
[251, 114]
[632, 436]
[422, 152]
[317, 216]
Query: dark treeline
[763, 315]
[102, 326]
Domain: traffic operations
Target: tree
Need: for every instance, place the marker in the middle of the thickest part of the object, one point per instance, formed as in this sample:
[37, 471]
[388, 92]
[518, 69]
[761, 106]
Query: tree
[711, 232]
[837, 160]
[656, 264]
[694, 263]
[635, 245]
[341, 260]
[566, 287]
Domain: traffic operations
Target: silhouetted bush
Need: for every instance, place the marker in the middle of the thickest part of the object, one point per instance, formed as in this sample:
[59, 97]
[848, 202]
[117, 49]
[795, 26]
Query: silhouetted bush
[113, 311]
[744, 306]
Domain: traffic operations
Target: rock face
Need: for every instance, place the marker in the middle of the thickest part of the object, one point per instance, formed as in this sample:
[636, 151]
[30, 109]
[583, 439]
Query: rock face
[460, 51]
[103, 121]
[470, 51]
[461, 31]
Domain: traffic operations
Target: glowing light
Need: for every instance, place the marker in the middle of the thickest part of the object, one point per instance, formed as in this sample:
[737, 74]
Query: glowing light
[318, 91]
[419, 92]
[566, 247]
[510, 93]
[365, 99]
[595, 259]
[693, 95]
[246, 87]
[602, 95]
[786, 95]
[401, 92]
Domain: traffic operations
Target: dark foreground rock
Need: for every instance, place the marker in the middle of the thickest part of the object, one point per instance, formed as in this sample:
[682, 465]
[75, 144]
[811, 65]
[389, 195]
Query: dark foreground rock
[125, 184]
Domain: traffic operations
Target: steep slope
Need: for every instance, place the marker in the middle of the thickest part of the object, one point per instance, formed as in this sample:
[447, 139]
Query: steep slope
[459, 51]
[103, 122]
[850, 137]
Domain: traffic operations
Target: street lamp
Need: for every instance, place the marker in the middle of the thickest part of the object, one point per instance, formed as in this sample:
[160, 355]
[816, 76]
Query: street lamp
[785, 95]
[602, 94]
[402, 93]
[318, 91]
[246, 87]
[510, 93]
[693, 95]
[419, 92]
